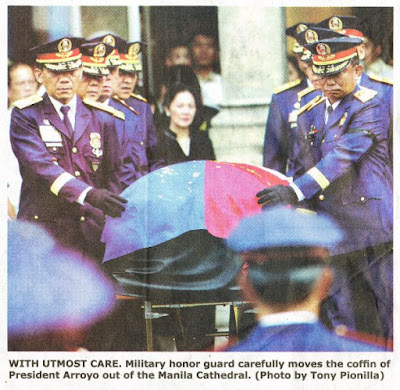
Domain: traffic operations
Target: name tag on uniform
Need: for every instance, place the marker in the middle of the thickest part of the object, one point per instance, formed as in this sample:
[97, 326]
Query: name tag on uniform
[50, 134]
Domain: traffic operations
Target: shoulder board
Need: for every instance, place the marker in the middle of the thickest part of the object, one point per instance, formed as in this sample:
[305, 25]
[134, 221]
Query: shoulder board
[138, 97]
[305, 92]
[287, 86]
[29, 101]
[365, 94]
[115, 97]
[311, 104]
[104, 107]
[384, 80]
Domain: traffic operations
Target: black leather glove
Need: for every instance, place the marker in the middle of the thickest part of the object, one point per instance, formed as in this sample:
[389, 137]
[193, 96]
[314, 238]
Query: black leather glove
[277, 195]
[110, 203]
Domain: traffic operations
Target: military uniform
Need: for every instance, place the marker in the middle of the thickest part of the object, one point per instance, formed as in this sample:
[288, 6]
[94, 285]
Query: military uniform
[279, 140]
[145, 138]
[57, 167]
[351, 180]
[280, 127]
[129, 134]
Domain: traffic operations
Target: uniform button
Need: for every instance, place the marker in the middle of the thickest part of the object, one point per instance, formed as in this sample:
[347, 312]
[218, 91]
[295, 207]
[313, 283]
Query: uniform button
[74, 150]
[77, 173]
[362, 199]
[36, 217]
[141, 143]
[335, 136]
[54, 149]
[321, 197]
[82, 219]
[323, 140]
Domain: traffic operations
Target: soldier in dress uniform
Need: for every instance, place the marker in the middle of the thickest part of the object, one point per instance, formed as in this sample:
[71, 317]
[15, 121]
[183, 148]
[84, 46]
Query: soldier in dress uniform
[67, 151]
[350, 26]
[281, 122]
[146, 136]
[288, 276]
[94, 68]
[352, 182]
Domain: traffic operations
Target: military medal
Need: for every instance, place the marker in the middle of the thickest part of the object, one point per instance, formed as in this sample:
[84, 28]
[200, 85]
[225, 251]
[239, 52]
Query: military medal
[343, 119]
[312, 134]
[95, 143]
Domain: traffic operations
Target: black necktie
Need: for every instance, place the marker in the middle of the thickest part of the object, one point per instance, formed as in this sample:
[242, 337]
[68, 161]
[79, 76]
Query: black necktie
[329, 110]
[67, 123]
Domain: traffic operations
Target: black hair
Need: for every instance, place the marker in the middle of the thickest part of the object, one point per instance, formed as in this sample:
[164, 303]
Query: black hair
[285, 281]
[177, 86]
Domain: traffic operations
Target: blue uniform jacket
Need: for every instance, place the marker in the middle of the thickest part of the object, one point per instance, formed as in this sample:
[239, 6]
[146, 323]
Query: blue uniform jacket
[306, 161]
[351, 179]
[313, 337]
[130, 134]
[146, 138]
[56, 168]
[279, 128]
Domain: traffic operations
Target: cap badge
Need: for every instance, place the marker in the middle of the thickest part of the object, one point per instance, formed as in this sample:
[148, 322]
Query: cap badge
[110, 40]
[134, 49]
[99, 50]
[323, 49]
[335, 23]
[311, 36]
[64, 46]
[300, 28]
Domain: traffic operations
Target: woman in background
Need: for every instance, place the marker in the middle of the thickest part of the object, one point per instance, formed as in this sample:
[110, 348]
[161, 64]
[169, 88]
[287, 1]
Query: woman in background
[182, 140]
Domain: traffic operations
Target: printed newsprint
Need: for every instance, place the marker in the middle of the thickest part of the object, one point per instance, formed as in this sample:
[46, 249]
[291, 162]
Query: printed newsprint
[252, 60]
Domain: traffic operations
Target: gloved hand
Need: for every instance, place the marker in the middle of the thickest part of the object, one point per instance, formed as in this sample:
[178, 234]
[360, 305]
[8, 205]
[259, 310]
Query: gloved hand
[277, 195]
[110, 203]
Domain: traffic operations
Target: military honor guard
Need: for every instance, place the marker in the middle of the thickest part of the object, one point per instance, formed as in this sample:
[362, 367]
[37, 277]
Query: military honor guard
[287, 278]
[352, 182]
[67, 151]
[282, 115]
[146, 136]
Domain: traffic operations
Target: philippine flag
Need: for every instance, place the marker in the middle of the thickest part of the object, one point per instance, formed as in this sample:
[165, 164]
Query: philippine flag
[193, 195]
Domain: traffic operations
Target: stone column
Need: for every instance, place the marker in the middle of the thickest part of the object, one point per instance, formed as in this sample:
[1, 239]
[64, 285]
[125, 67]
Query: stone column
[253, 63]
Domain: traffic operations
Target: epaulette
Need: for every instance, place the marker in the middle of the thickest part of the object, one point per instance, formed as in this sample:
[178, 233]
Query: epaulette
[287, 86]
[26, 102]
[380, 79]
[311, 104]
[305, 92]
[104, 107]
[138, 97]
[365, 94]
[115, 97]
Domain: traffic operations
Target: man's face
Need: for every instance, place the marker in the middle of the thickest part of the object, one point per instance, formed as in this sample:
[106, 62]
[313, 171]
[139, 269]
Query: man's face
[179, 55]
[338, 86]
[314, 79]
[110, 85]
[22, 83]
[204, 51]
[90, 87]
[61, 86]
[126, 84]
